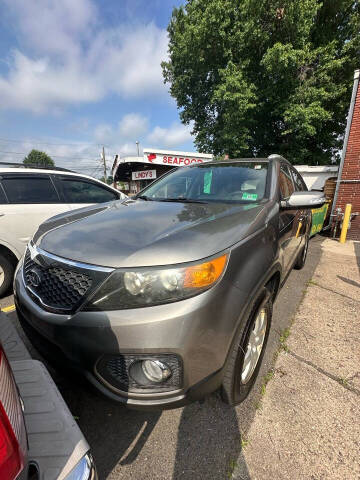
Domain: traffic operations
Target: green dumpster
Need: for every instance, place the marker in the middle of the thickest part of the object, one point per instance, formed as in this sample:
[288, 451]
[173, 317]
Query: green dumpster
[318, 217]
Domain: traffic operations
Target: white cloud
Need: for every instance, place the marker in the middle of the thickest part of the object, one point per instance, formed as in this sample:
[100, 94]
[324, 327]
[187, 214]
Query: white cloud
[37, 85]
[103, 133]
[171, 137]
[130, 59]
[53, 27]
[68, 58]
[133, 125]
[130, 128]
[80, 157]
[85, 157]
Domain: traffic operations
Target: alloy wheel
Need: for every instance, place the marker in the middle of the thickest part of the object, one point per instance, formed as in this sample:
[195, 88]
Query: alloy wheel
[2, 275]
[306, 246]
[254, 346]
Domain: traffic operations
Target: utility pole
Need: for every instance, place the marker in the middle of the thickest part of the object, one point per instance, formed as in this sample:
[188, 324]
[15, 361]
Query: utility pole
[137, 147]
[103, 158]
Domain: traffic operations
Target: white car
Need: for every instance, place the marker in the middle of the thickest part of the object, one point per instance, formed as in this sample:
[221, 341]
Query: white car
[29, 196]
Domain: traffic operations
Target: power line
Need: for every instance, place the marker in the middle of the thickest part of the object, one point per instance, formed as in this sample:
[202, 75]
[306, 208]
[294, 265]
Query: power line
[2, 139]
[56, 156]
[111, 152]
[96, 171]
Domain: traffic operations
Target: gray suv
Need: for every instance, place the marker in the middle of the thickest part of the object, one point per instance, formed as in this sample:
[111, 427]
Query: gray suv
[166, 297]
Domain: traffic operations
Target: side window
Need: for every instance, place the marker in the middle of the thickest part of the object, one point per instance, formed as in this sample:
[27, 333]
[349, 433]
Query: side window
[298, 181]
[80, 191]
[2, 196]
[30, 189]
[286, 182]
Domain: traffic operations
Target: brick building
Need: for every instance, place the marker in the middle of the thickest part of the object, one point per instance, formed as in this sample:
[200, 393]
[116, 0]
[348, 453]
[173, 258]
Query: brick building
[348, 186]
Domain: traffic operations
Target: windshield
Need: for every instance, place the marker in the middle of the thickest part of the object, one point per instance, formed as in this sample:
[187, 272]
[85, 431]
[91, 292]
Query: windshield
[226, 182]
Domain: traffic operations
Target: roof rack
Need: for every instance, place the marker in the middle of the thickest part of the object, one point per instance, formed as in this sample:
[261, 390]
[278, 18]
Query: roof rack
[33, 165]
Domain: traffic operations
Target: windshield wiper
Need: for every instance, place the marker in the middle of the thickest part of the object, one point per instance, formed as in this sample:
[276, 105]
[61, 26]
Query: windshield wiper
[181, 200]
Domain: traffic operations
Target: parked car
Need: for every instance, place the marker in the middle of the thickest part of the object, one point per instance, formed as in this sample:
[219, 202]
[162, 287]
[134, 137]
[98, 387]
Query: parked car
[168, 296]
[39, 438]
[28, 196]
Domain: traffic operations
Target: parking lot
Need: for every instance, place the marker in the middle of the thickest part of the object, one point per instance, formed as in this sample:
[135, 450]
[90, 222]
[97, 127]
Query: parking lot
[202, 440]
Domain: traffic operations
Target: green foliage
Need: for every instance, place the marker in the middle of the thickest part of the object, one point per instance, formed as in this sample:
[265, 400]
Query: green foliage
[265, 76]
[41, 159]
[109, 180]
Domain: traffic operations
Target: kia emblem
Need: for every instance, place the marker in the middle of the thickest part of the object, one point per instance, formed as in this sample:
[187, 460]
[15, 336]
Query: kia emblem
[34, 278]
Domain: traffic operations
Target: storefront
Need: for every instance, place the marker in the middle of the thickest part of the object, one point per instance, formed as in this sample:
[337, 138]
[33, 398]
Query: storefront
[134, 173]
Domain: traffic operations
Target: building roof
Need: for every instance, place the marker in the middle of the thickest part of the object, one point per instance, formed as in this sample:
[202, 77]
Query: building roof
[175, 153]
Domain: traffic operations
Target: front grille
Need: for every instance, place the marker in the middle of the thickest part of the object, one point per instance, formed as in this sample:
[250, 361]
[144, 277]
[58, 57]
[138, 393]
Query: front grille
[115, 370]
[56, 286]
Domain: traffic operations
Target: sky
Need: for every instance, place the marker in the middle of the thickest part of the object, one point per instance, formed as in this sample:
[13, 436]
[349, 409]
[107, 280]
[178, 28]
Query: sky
[79, 74]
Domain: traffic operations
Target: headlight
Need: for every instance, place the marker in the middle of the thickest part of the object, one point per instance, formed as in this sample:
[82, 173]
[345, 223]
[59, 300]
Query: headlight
[146, 287]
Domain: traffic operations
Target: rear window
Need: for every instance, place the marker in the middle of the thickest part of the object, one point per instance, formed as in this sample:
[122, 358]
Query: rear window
[79, 191]
[241, 182]
[30, 189]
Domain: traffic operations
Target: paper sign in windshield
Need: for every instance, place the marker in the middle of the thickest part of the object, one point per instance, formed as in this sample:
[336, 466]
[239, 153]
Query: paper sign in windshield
[207, 181]
[249, 196]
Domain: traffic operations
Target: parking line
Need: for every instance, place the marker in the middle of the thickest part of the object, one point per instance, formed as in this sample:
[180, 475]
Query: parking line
[11, 308]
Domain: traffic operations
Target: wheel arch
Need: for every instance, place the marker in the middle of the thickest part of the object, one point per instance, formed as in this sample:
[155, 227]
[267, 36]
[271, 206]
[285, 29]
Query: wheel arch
[273, 284]
[9, 253]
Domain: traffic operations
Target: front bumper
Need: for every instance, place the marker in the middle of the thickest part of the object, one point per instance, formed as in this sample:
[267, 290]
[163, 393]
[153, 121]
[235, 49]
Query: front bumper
[197, 330]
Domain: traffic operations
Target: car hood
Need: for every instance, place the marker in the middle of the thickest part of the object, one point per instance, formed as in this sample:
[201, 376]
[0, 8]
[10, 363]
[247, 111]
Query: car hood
[145, 233]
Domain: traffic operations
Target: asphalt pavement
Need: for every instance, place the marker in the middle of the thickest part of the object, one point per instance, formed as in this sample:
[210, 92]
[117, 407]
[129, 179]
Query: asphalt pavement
[200, 441]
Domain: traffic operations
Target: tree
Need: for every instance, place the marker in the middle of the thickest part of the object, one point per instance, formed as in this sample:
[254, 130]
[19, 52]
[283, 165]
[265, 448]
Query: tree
[42, 159]
[256, 77]
[109, 180]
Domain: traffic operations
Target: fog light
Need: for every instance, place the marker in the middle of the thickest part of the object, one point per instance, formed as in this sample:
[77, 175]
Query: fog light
[155, 371]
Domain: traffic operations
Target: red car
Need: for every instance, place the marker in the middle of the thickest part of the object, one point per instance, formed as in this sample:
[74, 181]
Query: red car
[39, 438]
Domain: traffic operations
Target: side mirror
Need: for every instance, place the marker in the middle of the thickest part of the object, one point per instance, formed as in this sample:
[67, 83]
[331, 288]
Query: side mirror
[300, 200]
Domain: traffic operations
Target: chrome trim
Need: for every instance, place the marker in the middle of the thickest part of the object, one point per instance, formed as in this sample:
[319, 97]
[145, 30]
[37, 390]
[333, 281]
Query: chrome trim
[45, 305]
[34, 250]
[84, 470]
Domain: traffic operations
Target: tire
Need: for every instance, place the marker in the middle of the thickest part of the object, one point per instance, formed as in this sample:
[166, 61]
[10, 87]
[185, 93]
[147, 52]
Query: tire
[6, 274]
[238, 381]
[301, 260]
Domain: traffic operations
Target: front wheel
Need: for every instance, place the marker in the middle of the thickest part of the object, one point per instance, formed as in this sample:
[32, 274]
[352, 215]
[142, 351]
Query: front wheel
[6, 274]
[248, 351]
[301, 260]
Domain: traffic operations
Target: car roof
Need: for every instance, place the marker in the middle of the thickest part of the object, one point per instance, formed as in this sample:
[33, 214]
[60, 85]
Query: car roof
[24, 170]
[269, 159]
